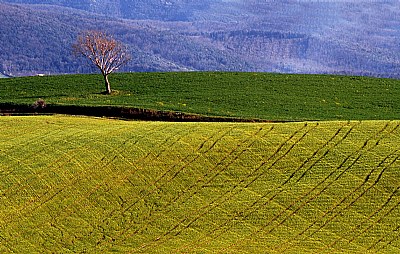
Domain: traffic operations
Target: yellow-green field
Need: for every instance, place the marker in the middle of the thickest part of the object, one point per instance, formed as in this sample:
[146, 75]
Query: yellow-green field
[88, 185]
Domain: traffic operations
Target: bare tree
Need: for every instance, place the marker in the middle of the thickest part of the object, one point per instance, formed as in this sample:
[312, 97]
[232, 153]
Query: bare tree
[103, 51]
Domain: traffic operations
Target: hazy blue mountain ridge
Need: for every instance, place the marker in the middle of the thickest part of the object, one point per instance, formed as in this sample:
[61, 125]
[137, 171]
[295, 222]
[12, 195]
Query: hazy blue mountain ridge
[39, 39]
[171, 10]
[281, 36]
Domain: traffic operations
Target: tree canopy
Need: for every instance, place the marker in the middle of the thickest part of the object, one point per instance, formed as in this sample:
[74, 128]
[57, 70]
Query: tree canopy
[105, 52]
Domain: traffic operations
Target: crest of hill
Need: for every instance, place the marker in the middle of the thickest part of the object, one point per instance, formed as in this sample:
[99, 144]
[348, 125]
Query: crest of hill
[276, 97]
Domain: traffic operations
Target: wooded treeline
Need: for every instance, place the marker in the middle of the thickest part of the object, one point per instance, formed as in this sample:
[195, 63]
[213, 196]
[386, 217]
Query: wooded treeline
[38, 38]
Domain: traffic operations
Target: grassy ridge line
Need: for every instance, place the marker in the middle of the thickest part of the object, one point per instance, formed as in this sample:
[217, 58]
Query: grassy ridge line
[99, 185]
[240, 95]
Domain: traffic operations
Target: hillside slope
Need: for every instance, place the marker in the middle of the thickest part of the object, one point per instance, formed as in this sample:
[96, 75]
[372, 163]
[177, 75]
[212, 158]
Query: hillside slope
[278, 36]
[99, 185]
[244, 95]
[40, 41]
[172, 10]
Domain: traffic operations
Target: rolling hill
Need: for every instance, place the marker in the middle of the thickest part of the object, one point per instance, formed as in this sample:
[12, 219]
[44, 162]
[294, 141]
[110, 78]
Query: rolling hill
[264, 96]
[78, 184]
[356, 38]
[74, 184]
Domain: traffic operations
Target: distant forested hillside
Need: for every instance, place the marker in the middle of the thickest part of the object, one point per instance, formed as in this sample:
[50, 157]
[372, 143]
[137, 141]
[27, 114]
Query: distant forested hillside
[180, 35]
[171, 10]
[38, 40]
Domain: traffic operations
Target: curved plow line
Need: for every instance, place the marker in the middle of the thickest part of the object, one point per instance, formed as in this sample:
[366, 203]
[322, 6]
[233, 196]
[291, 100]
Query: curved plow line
[243, 180]
[165, 174]
[226, 198]
[340, 166]
[379, 221]
[67, 211]
[95, 189]
[331, 218]
[291, 176]
[188, 156]
[303, 202]
[216, 141]
[158, 187]
[27, 143]
[33, 203]
[156, 129]
[210, 207]
[364, 182]
[240, 153]
[392, 132]
[70, 157]
[258, 168]
[114, 157]
[378, 210]
[128, 161]
[395, 238]
[279, 157]
[81, 176]
[329, 145]
[142, 196]
[252, 209]
[65, 154]
[181, 168]
[148, 194]
[275, 218]
[120, 150]
[356, 189]
[224, 195]
[210, 138]
[3, 242]
[86, 196]
[199, 211]
[347, 196]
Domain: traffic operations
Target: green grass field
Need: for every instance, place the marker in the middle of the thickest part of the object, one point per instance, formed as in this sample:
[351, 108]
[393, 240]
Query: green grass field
[245, 95]
[89, 185]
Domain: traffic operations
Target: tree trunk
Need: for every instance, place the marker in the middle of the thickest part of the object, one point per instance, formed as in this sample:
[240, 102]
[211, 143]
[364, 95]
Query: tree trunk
[107, 83]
